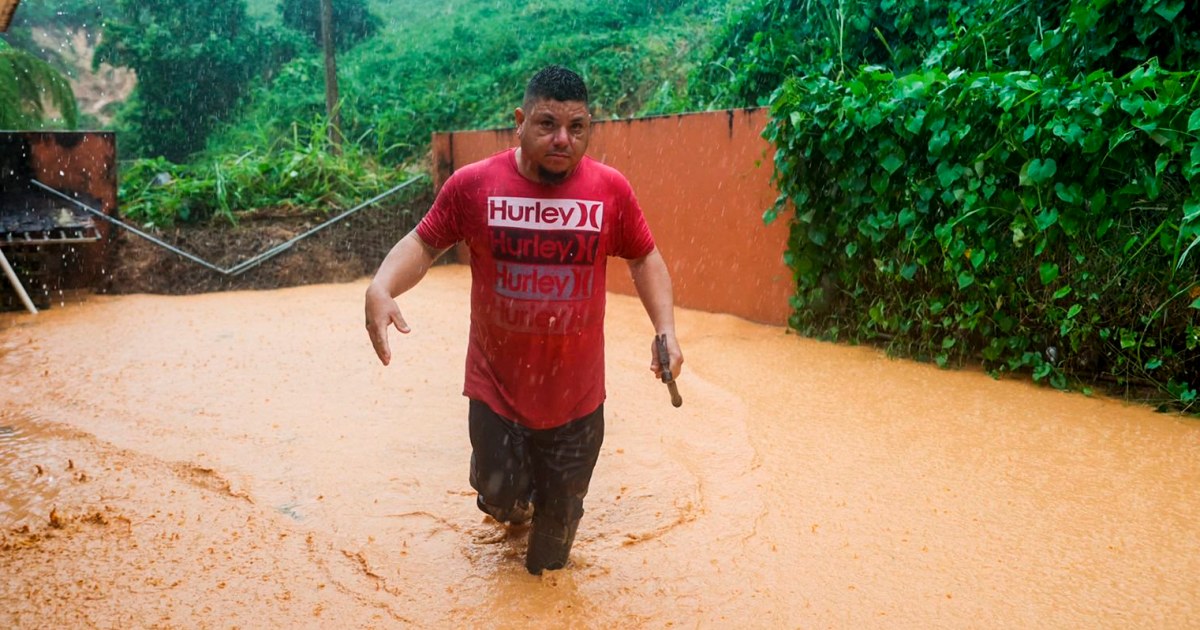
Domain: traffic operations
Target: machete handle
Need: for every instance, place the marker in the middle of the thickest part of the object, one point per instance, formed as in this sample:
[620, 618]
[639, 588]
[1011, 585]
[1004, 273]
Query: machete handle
[676, 399]
[664, 364]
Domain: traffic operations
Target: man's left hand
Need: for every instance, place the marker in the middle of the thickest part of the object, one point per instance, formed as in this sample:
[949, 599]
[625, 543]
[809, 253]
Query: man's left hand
[676, 363]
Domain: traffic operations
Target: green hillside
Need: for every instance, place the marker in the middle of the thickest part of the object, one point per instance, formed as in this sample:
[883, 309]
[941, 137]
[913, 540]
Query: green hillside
[463, 64]
[227, 92]
[240, 75]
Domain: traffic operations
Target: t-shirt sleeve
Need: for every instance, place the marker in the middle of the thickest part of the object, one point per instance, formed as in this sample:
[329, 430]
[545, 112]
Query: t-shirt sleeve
[441, 227]
[632, 237]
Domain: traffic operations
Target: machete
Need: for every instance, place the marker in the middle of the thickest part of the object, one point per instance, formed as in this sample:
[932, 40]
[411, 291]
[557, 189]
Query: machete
[664, 361]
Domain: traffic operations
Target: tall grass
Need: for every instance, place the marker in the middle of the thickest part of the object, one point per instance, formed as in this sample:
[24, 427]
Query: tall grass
[295, 173]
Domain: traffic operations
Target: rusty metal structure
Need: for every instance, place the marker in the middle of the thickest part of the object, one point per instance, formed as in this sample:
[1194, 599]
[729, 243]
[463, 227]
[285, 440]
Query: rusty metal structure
[58, 206]
[48, 244]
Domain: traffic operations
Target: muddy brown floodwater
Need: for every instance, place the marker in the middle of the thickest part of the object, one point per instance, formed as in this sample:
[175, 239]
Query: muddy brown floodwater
[242, 460]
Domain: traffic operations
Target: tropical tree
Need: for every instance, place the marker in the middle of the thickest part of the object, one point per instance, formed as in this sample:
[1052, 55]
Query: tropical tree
[29, 89]
[194, 60]
[353, 18]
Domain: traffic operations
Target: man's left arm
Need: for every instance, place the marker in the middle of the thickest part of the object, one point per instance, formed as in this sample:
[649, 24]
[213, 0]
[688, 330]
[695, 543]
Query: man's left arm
[653, 283]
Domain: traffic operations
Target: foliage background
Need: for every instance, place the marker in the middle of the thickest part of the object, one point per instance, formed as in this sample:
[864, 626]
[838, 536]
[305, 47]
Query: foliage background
[194, 60]
[219, 80]
[1017, 186]
[1012, 182]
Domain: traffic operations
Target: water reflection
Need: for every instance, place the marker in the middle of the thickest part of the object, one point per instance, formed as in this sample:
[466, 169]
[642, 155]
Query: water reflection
[32, 471]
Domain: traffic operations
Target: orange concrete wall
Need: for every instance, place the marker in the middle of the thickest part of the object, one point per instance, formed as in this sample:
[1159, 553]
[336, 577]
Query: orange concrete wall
[703, 181]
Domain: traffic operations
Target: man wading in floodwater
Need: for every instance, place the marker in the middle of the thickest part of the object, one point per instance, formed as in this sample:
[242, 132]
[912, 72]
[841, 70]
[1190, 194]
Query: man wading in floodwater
[540, 221]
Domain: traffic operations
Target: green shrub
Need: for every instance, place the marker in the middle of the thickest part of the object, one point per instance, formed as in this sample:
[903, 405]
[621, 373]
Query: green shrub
[771, 40]
[1034, 222]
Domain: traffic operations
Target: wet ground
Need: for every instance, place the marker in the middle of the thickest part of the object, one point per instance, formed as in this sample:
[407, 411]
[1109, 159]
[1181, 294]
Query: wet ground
[242, 460]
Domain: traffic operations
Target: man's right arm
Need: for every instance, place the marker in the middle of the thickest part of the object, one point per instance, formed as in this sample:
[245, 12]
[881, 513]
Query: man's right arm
[400, 271]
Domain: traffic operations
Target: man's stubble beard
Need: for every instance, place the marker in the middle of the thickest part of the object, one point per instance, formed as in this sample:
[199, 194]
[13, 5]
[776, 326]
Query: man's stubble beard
[550, 177]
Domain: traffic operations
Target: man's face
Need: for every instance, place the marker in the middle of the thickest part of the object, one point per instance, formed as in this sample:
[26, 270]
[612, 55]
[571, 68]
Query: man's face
[554, 136]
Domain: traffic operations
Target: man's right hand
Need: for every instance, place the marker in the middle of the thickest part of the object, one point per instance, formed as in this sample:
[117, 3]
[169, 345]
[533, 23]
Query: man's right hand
[381, 312]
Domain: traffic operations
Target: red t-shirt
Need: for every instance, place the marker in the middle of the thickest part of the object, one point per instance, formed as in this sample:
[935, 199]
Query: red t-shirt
[538, 262]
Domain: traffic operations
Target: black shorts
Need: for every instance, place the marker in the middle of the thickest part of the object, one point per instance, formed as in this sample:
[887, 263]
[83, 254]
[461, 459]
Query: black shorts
[512, 464]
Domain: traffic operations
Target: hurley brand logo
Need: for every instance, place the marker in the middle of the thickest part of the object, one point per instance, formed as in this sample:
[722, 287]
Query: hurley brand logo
[564, 248]
[547, 318]
[545, 214]
[537, 282]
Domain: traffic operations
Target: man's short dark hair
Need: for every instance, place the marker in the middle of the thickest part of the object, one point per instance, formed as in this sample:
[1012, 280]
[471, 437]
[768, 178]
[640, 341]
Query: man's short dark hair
[557, 83]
